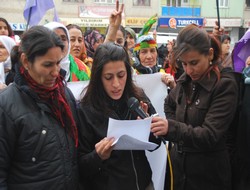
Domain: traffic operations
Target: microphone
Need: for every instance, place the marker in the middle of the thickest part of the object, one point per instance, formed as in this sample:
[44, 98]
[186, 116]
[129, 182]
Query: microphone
[134, 105]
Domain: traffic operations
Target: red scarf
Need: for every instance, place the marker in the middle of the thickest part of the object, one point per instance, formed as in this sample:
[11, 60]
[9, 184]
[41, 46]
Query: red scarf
[56, 99]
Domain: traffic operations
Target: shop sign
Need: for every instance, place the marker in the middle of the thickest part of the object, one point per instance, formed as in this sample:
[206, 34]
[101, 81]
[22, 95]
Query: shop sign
[95, 11]
[132, 21]
[178, 22]
[18, 26]
[231, 22]
[86, 22]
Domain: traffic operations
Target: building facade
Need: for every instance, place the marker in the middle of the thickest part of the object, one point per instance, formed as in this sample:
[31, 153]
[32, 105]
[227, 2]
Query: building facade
[173, 14]
[178, 13]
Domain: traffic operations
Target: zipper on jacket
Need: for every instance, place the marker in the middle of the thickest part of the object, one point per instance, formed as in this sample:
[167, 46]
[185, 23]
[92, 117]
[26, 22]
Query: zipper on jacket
[136, 176]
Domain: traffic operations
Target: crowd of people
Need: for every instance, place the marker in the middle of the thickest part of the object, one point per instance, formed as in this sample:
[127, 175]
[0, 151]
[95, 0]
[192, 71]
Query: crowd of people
[48, 140]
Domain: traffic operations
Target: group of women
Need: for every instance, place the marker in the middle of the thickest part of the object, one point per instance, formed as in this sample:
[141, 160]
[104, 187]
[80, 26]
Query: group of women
[77, 60]
[48, 141]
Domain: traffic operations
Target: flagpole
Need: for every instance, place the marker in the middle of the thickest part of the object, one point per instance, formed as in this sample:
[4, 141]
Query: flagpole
[218, 13]
[28, 22]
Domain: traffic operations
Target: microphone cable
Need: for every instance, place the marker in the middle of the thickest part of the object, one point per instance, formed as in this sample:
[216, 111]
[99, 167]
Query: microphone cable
[134, 105]
[170, 167]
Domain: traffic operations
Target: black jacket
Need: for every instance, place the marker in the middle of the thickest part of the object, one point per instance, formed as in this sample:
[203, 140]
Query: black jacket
[241, 161]
[35, 151]
[125, 169]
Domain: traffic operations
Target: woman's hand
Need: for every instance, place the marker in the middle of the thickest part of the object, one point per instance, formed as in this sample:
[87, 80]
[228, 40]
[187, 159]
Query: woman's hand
[218, 31]
[104, 148]
[115, 20]
[168, 79]
[159, 126]
[144, 107]
[2, 86]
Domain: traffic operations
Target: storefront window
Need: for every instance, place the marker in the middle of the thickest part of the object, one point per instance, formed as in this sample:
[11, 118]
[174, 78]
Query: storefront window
[141, 2]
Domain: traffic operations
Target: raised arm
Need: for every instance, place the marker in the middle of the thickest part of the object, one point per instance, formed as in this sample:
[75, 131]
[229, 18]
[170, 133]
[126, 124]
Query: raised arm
[115, 20]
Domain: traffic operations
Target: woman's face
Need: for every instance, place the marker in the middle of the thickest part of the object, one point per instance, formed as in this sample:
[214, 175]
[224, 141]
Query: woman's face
[225, 47]
[4, 54]
[114, 77]
[130, 41]
[61, 33]
[3, 29]
[170, 46]
[195, 64]
[45, 69]
[120, 38]
[148, 57]
[97, 43]
[248, 61]
[76, 41]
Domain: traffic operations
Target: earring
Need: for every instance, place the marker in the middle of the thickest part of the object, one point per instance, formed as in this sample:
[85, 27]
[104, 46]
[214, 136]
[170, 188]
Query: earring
[210, 63]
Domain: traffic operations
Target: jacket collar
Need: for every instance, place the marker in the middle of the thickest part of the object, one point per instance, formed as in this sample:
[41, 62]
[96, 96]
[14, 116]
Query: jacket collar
[207, 82]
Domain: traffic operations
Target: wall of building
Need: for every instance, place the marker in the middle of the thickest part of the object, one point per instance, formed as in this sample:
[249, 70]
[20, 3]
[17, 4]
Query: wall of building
[234, 18]
[234, 9]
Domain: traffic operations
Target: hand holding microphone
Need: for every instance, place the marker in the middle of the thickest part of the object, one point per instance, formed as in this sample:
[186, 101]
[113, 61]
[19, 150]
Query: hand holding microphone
[134, 106]
[159, 125]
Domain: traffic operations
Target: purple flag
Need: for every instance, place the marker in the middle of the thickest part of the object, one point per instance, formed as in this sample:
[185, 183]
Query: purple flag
[241, 52]
[35, 10]
[56, 18]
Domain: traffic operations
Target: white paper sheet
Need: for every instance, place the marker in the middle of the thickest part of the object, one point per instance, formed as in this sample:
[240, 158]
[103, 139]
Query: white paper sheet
[131, 134]
[155, 89]
[77, 88]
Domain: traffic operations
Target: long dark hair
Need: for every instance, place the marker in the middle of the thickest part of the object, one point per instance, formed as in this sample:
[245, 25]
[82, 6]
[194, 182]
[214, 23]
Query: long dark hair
[34, 42]
[192, 37]
[37, 41]
[95, 94]
[70, 26]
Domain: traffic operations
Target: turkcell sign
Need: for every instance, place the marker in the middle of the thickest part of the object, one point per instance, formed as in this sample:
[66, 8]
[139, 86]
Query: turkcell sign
[178, 22]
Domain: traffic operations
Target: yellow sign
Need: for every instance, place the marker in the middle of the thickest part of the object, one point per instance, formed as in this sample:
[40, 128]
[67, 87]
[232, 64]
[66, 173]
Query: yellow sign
[133, 21]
